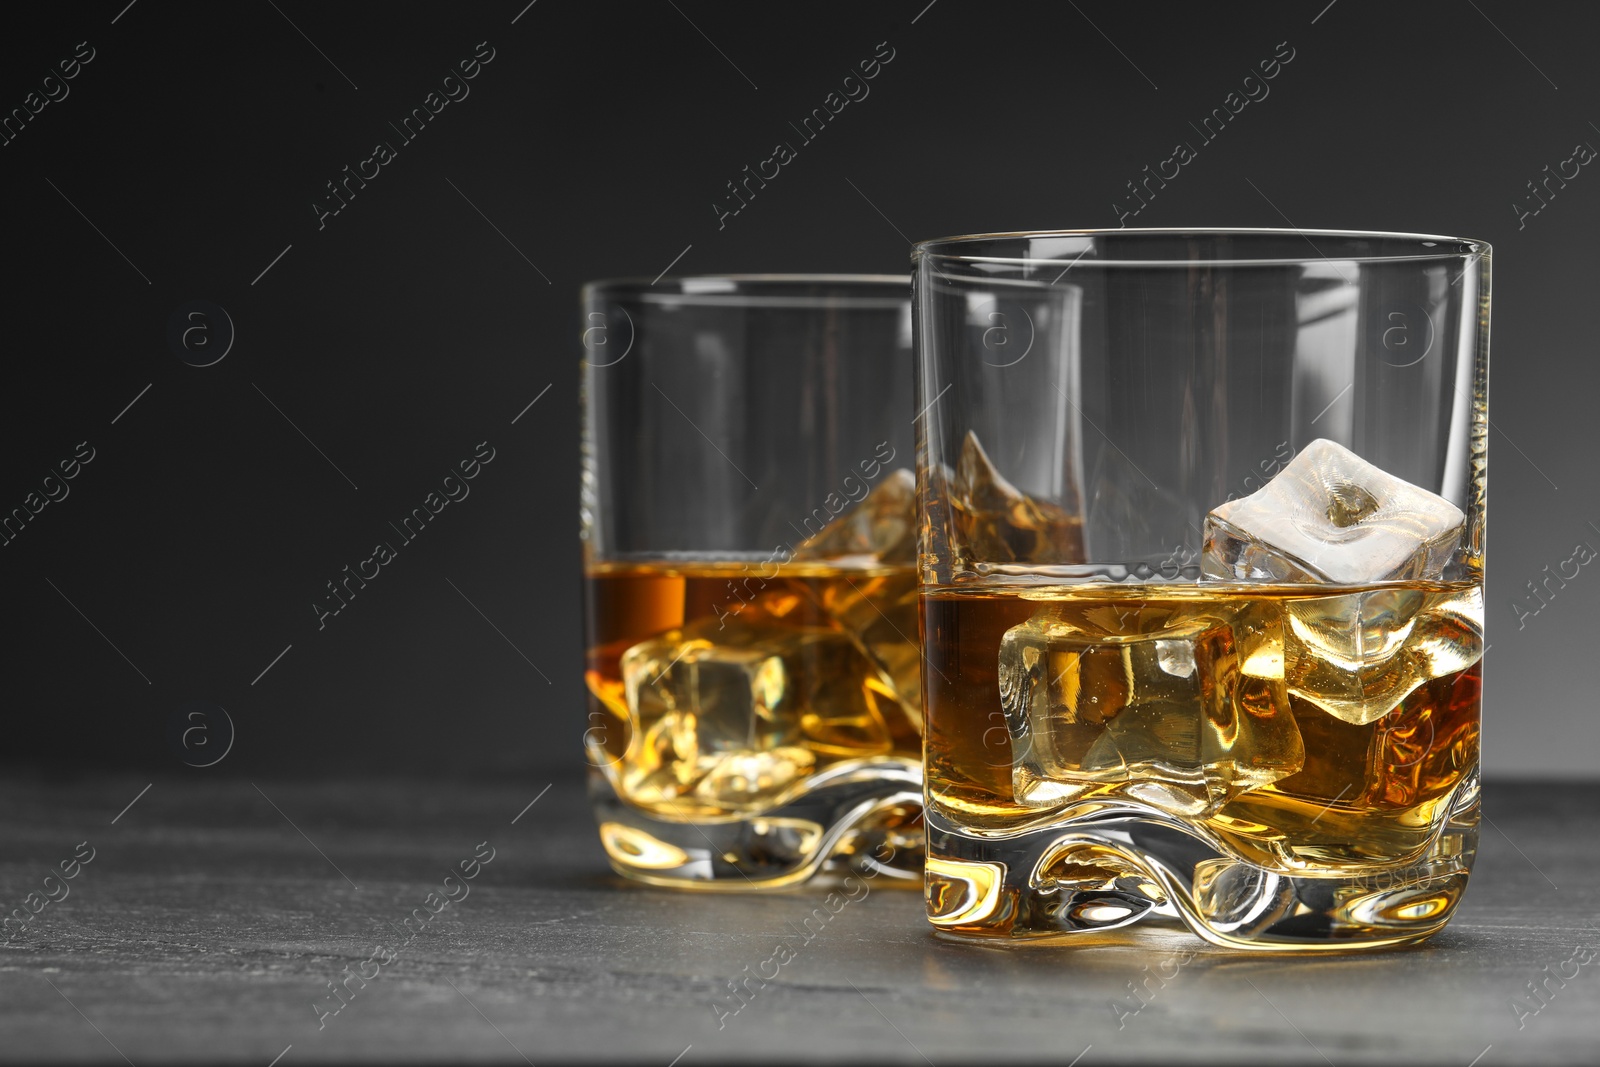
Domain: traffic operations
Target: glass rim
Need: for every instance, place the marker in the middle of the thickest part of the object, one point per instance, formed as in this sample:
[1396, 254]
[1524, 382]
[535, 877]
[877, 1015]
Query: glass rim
[1424, 246]
[721, 287]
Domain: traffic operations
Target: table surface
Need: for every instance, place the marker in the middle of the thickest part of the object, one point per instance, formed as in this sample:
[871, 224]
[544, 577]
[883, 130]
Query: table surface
[215, 915]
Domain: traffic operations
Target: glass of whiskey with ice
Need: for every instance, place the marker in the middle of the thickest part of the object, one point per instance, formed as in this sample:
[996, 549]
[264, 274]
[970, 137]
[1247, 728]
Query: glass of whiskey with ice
[749, 535]
[1201, 582]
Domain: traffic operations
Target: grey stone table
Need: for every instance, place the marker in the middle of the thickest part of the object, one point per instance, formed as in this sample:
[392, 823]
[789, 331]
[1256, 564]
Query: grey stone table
[213, 917]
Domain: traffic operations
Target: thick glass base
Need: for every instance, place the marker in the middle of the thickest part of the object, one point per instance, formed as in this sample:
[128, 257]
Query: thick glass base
[1108, 865]
[860, 816]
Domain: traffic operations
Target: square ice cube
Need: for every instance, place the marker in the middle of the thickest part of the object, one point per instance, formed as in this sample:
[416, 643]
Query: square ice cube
[1330, 516]
[1358, 655]
[878, 611]
[736, 714]
[995, 522]
[1177, 703]
[882, 527]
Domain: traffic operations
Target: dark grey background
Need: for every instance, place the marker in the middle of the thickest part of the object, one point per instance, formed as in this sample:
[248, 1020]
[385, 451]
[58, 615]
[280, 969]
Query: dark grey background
[415, 324]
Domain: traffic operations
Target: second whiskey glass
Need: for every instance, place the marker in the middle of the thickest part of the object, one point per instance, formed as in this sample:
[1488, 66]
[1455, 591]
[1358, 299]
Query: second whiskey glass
[749, 531]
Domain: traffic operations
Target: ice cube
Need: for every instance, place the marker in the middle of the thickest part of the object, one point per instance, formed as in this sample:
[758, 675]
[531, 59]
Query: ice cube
[995, 522]
[882, 525]
[1330, 516]
[878, 611]
[730, 717]
[1357, 656]
[1178, 703]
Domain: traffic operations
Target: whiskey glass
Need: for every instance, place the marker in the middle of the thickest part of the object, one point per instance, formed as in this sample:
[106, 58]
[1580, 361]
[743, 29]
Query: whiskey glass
[1201, 581]
[749, 537]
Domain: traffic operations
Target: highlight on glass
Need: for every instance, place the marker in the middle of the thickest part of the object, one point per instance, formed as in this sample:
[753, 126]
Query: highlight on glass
[1202, 581]
[749, 534]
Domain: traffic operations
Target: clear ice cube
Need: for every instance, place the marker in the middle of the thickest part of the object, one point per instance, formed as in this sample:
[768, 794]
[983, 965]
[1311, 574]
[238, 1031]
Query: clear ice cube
[1357, 656]
[877, 608]
[1330, 516]
[879, 613]
[1179, 704]
[995, 522]
[882, 525]
[733, 716]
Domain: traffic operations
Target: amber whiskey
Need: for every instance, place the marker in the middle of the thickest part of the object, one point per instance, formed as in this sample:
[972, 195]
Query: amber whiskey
[727, 700]
[1278, 763]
